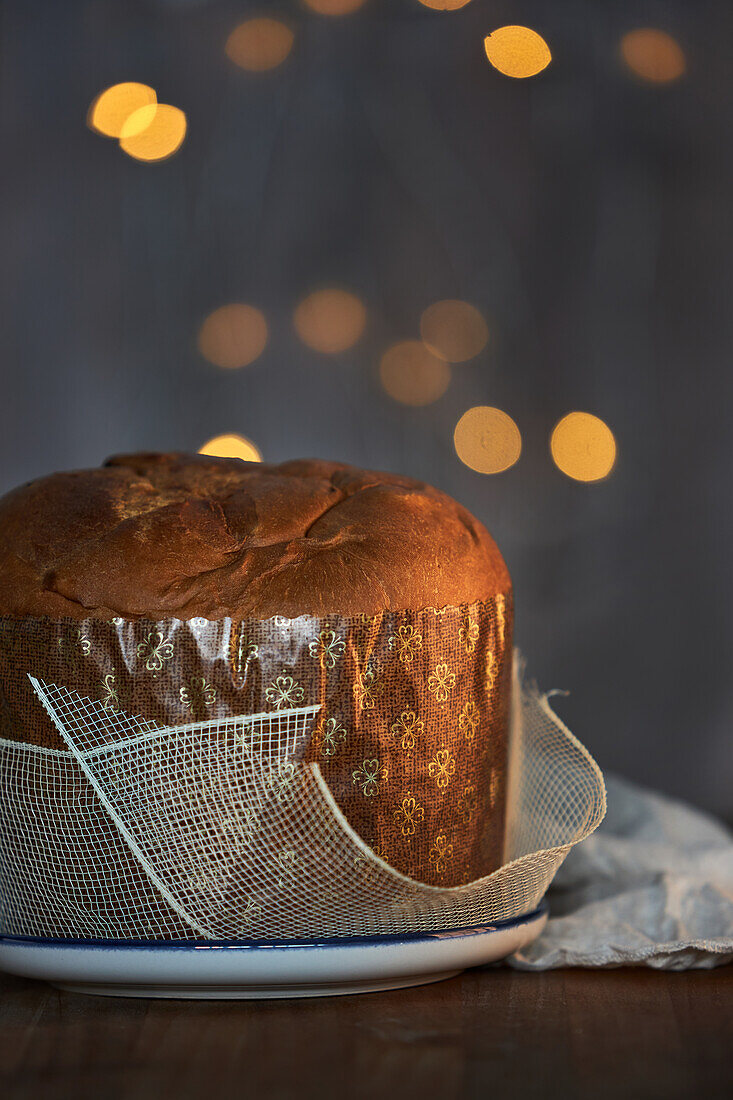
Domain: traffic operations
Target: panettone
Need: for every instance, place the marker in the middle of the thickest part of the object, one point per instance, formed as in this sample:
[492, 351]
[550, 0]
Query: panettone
[182, 536]
[182, 588]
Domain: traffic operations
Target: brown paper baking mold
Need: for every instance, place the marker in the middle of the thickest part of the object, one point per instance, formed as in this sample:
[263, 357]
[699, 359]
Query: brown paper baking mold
[411, 738]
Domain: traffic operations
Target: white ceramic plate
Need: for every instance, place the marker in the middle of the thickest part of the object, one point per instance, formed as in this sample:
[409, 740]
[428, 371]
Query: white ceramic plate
[251, 970]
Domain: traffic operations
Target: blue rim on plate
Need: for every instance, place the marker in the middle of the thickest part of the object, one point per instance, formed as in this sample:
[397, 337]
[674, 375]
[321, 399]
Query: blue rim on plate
[248, 945]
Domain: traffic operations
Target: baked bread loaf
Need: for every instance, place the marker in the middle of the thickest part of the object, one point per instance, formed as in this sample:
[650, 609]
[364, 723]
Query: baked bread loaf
[183, 588]
[168, 535]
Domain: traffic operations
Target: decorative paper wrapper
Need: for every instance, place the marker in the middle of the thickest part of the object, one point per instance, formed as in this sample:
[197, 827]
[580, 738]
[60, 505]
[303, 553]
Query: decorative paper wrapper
[215, 829]
[410, 735]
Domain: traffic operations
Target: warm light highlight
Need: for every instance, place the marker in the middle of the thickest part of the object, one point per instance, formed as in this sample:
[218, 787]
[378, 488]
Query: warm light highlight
[454, 330]
[517, 51]
[487, 440]
[231, 445]
[154, 132]
[583, 447]
[112, 108]
[334, 7]
[653, 55]
[330, 320]
[445, 5]
[233, 335]
[259, 44]
[411, 374]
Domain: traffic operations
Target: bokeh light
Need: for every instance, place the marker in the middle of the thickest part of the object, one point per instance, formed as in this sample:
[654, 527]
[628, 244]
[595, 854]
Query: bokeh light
[154, 132]
[653, 55]
[330, 320]
[259, 44]
[517, 51]
[411, 374]
[487, 440]
[231, 445]
[334, 7]
[445, 5]
[583, 447]
[112, 108]
[233, 335]
[454, 330]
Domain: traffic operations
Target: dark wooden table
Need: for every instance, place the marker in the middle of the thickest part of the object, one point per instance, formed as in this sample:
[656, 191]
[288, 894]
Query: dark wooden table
[491, 1033]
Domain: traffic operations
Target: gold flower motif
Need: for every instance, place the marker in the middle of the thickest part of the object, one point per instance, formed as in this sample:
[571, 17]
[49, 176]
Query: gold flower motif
[239, 827]
[409, 815]
[369, 776]
[284, 691]
[469, 720]
[246, 738]
[441, 682]
[407, 727]
[247, 650]
[362, 864]
[442, 767]
[282, 779]
[288, 862]
[251, 910]
[468, 635]
[467, 804]
[154, 650]
[69, 649]
[367, 688]
[407, 640]
[493, 787]
[327, 648]
[197, 695]
[441, 853]
[202, 880]
[328, 734]
[490, 672]
[110, 697]
[501, 617]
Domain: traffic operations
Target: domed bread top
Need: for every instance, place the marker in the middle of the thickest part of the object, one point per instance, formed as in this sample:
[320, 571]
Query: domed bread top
[183, 536]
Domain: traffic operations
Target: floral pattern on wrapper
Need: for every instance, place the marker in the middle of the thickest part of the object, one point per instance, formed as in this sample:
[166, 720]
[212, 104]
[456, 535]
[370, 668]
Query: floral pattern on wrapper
[411, 738]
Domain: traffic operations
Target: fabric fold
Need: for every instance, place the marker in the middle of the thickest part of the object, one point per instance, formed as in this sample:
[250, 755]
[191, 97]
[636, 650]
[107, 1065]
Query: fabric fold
[653, 887]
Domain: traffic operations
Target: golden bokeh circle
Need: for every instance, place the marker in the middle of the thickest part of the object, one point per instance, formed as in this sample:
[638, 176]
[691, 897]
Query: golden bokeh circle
[330, 320]
[583, 447]
[233, 336]
[445, 5]
[411, 374]
[517, 51]
[653, 55]
[454, 330]
[334, 7]
[231, 445]
[112, 108]
[259, 44]
[487, 440]
[154, 132]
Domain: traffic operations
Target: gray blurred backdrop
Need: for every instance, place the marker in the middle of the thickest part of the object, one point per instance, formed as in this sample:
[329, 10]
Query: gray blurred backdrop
[585, 212]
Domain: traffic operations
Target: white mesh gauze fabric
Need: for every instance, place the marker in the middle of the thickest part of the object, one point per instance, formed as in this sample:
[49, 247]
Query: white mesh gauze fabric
[64, 869]
[216, 830]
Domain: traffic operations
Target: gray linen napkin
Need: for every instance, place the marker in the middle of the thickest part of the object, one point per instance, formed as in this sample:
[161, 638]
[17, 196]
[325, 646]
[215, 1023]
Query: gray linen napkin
[653, 886]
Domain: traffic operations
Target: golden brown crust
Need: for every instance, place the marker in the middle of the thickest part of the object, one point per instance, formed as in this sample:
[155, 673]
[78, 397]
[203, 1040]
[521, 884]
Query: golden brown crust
[186, 536]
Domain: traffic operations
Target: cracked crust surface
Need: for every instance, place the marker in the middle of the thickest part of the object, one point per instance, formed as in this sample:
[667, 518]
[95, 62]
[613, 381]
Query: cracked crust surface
[185, 536]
